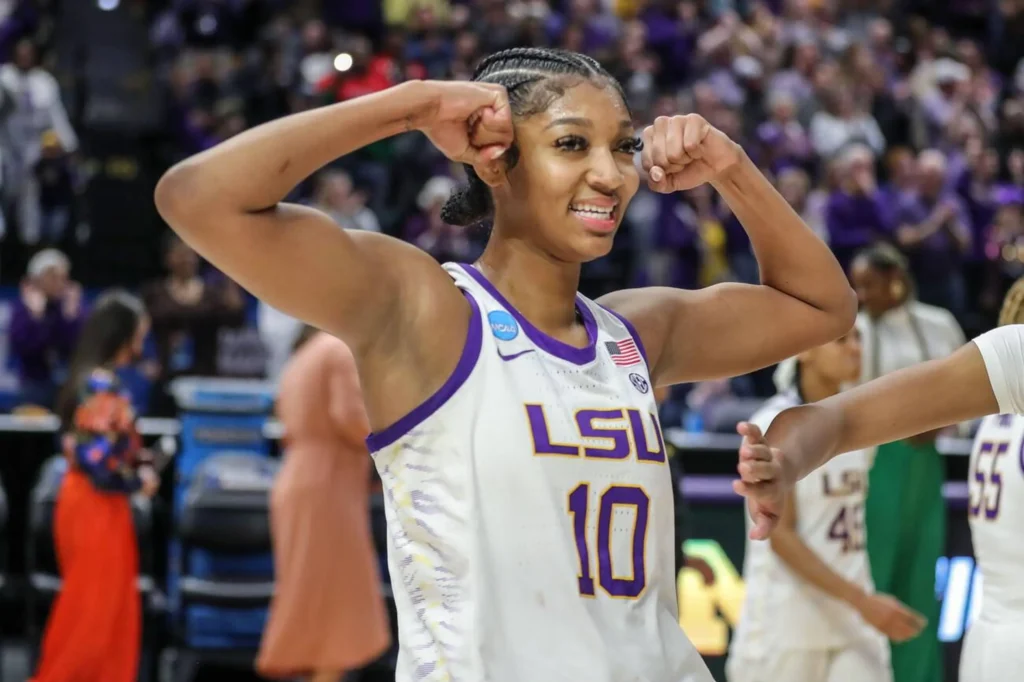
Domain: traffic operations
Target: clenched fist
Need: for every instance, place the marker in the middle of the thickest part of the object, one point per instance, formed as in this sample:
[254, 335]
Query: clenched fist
[683, 152]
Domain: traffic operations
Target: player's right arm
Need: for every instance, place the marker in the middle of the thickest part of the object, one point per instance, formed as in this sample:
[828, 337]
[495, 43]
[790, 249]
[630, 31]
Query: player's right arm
[378, 294]
[886, 614]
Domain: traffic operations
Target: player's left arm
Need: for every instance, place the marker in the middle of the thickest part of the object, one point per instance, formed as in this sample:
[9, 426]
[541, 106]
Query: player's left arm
[804, 299]
[787, 544]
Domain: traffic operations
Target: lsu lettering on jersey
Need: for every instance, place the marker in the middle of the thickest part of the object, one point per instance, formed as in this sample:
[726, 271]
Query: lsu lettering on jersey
[783, 612]
[530, 513]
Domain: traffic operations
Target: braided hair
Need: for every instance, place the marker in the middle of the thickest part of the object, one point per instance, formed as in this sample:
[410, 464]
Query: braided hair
[533, 78]
[1012, 311]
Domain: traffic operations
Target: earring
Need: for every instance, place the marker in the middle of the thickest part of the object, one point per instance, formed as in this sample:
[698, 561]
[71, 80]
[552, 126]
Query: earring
[897, 290]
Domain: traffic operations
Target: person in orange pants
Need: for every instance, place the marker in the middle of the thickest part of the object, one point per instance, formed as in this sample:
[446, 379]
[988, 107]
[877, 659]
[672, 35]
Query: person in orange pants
[94, 630]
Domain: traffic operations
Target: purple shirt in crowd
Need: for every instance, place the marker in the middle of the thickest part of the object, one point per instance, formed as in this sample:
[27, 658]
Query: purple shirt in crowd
[43, 345]
[855, 221]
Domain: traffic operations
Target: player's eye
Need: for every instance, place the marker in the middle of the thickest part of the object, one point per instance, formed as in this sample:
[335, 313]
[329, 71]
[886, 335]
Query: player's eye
[571, 143]
[631, 146]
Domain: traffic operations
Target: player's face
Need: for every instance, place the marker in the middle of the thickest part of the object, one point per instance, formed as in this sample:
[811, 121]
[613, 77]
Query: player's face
[575, 175]
[838, 361]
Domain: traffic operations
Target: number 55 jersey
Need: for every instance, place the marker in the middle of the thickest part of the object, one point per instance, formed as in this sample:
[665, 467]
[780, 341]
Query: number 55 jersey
[781, 611]
[995, 510]
[530, 510]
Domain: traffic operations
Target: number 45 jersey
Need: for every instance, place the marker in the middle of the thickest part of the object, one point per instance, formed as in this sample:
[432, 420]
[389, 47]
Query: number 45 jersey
[530, 510]
[783, 612]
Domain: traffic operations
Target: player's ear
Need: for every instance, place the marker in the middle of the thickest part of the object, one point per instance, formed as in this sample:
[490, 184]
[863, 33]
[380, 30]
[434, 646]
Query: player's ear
[491, 167]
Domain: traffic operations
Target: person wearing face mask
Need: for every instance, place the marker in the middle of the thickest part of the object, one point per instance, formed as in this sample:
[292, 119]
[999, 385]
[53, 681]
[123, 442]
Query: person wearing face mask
[94, 629]
[905, 513]
[44, 326]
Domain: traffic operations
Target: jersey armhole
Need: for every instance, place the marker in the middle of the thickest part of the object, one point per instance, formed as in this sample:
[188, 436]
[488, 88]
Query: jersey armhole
[467, 361]
[633, 333]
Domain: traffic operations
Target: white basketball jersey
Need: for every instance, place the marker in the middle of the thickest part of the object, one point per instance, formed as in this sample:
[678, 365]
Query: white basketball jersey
[995, 510]
[530, 511]
[781, 610]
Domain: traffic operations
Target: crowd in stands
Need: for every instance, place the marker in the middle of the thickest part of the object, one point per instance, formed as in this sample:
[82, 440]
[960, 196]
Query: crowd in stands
[878, 120]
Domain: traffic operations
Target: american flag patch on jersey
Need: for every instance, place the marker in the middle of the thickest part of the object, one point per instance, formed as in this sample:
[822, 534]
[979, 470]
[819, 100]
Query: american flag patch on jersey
[624, 353]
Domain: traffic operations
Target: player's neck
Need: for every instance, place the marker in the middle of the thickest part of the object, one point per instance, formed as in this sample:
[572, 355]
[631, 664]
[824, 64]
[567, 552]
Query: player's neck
[814, 387]
[540, 288]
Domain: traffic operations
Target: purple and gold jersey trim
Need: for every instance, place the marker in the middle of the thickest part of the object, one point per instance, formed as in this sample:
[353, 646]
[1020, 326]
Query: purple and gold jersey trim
[467, 361]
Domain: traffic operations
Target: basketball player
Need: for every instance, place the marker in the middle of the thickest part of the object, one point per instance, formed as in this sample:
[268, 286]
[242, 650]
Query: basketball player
[811, 614]
[984, 377]
[528, 499]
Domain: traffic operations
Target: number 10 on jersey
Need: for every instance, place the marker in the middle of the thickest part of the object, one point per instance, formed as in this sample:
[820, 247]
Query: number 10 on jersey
[623, 496]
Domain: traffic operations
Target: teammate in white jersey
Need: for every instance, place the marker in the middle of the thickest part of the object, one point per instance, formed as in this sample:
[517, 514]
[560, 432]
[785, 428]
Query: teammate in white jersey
[811, 614]
[992, 649]
[528, 499]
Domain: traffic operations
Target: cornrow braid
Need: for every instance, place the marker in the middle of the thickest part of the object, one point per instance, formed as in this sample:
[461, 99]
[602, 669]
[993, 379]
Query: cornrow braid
[533, 77]
[1012, 311]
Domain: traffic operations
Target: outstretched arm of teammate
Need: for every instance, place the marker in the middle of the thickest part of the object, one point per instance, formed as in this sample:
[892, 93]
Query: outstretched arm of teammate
[883, 612]
[983, 377]
[803, 301]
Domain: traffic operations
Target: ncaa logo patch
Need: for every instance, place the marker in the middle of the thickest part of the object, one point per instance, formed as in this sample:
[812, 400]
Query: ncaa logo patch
[639, 383]
[503, 325]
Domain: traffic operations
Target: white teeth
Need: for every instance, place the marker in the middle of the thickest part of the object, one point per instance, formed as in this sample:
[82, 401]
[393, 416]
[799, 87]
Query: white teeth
[592, 211]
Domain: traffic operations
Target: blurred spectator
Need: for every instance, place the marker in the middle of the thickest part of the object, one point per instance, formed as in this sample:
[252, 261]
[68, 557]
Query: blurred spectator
[45, 326]
[795, 187]
[53, 173]
[326, 572]
[784, 141]
[934, 229]
[905, 513]
[840, 124]
[94, 628]
[188, 313]
[346, 205]
[427, 231]
[30, 105]
[854, 215]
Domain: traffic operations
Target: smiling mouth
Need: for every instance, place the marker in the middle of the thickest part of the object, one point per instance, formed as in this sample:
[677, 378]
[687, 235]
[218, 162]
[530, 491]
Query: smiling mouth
[595, 213]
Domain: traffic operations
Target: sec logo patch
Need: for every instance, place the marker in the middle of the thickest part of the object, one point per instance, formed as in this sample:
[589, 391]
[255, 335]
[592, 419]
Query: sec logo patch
[639, 383]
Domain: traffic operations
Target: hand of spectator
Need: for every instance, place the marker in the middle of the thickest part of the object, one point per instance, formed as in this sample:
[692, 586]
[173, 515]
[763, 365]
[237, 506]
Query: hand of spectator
[468, 122]
[944, 212]
[33, 298]
[864, 180]
[72, 304]
[683, 152]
